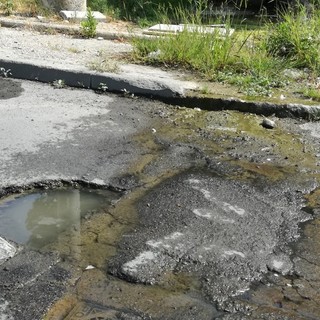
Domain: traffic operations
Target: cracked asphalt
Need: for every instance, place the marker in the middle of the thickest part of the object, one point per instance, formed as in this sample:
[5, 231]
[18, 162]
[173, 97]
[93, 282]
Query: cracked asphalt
[217, 216]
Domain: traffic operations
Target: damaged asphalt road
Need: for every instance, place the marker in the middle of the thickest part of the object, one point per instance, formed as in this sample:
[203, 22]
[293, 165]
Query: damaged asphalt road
[217, 217]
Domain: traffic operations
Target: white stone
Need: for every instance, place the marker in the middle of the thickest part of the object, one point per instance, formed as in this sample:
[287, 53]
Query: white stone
[89, 267]
[7, 250]
[81, 15]
[268, 124]
[173, 28]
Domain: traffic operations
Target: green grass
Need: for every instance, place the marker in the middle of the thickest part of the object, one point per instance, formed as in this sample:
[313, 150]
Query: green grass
[312, 93]
[254, 59]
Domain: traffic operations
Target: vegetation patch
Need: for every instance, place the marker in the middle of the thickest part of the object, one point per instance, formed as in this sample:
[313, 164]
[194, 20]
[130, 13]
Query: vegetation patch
[255, 60]
[261, 58]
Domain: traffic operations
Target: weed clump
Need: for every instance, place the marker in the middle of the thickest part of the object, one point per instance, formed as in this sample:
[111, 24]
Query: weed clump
[296, 38]
[7, 6]
[89, 26]
[254, 60]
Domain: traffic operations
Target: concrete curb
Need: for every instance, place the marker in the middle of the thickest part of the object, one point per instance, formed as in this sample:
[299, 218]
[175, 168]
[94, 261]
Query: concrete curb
[91, 80]
[67, 29]
[162, 92]
[289, 110]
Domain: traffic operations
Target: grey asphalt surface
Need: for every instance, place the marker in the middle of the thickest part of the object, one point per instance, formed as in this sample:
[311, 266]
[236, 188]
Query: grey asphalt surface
[192, 218]
[203, 230]
[50, 133]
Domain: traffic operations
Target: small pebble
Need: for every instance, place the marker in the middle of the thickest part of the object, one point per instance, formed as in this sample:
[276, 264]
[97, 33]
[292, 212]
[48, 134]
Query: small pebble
[268, 124]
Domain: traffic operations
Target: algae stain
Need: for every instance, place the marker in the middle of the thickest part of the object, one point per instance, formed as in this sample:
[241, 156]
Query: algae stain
[240, 138]
[94, 241]
[313, 199]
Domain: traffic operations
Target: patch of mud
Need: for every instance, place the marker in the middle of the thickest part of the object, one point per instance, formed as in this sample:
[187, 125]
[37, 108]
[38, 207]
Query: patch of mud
[9, 88]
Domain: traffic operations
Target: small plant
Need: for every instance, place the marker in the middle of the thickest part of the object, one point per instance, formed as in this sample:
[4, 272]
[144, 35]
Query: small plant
[58, 84]
[74, 50]
[312, 93]
[5, 73]
[102, 87]
[89, 26]
[103, 65]
[7, 6]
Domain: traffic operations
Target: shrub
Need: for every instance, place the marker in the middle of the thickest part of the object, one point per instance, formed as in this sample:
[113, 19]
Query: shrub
[89, 26]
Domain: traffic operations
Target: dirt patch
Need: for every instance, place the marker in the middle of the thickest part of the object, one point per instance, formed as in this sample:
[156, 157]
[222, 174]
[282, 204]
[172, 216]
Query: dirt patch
[9, 89]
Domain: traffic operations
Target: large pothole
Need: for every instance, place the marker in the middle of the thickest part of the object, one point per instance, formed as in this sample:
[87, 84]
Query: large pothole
[36, 219]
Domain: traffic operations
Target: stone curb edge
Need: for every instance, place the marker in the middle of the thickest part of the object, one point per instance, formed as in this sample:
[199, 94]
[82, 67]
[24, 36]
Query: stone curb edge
[87, 80]
[67, 29]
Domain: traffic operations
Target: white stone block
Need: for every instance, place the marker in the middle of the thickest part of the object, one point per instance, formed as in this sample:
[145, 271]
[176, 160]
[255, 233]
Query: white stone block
[172, 28]
[81, 15]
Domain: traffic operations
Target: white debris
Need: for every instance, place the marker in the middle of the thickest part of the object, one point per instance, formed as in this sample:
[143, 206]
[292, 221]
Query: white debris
[7, 250]
[90, 267]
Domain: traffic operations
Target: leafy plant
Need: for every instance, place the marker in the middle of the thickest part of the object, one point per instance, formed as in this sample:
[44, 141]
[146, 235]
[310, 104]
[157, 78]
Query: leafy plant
[7, 6]
[89, 26]
[58, 84]
[312, 93]
[5, 73]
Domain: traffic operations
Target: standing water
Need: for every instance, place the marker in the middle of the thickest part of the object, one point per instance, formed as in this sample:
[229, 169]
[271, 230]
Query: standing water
[36, 219]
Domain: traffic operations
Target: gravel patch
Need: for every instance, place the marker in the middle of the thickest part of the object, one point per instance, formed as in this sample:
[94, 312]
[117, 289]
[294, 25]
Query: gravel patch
[54, 50]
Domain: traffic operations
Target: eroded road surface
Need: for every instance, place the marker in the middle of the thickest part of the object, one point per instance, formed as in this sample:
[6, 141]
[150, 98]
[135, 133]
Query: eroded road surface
[212, 216]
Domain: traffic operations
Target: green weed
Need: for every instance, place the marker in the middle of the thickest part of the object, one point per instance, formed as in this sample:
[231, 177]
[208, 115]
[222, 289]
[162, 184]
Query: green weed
[7, 6]
[311, 93]
[89, 26]
[296, 38]
[253, 59]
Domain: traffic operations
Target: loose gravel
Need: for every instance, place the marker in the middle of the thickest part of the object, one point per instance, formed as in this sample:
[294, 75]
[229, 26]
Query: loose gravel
[56, 49]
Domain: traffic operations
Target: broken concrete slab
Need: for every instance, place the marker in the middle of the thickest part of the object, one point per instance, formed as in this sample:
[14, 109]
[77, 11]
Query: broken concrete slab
[7, 250]
[220, 29]
[81, 15]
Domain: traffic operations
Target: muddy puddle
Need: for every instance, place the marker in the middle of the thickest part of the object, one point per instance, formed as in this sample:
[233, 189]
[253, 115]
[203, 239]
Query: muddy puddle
[194, 139]
[36, 219]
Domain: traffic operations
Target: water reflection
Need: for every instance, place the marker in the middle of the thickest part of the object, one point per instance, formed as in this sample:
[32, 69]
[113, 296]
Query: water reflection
[37, 219]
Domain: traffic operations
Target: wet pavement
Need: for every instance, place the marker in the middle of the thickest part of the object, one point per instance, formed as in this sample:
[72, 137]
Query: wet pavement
[217, 216]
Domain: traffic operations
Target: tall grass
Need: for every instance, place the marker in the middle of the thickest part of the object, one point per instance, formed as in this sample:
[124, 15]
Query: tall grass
[254, 60]
[297, 38]
[23, 7]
